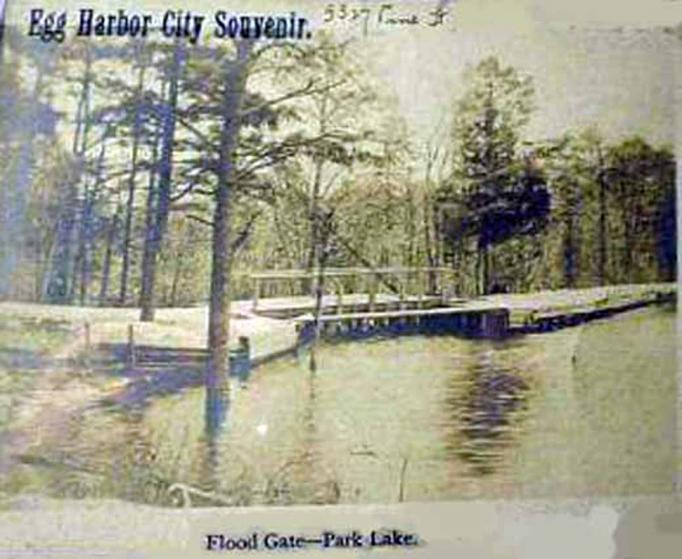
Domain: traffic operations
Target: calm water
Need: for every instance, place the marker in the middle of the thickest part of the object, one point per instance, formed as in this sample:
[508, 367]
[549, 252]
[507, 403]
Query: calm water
[580, 411]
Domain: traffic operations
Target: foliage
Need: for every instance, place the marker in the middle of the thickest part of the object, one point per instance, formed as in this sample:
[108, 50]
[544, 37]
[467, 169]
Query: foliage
[500, 194]
[319, 142]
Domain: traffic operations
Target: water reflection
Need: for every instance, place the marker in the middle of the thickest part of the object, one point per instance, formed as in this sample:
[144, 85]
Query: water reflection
[230, 467]
[217, 404]
[216, 409]
[307, 478]
[482, 403]
[382, 421]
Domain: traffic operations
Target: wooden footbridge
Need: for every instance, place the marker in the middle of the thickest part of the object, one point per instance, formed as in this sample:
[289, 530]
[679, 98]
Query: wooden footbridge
[362, 302]
[391, 301]
[485, 322]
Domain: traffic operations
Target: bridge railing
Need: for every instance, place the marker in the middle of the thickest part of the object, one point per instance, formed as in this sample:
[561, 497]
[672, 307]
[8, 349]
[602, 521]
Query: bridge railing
[403, 282]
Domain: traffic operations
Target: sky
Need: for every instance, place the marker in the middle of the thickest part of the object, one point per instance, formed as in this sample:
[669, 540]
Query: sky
[600, 63]
[621, 81]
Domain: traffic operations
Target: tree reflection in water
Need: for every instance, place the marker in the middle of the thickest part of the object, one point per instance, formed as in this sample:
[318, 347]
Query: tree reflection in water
[483, 405]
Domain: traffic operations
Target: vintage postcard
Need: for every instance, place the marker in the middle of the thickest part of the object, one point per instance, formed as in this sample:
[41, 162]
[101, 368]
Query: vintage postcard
[339, 278]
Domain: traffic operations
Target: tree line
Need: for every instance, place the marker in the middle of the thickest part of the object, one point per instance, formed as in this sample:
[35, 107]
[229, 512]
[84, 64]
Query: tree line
[157, 173]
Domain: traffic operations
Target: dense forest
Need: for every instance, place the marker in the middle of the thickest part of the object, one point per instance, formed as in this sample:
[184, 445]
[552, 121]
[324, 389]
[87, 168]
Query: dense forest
[161, 174]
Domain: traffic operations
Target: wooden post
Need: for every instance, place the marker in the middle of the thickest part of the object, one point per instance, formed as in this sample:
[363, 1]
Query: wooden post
[131, 346]
[420, 290]
[256, 290]
[240, 359]
[339, 297]
[86, 344]
[495, 323]
[372, 293]
[244, 344]
[87, 337]
[401, 294]
[442, 282]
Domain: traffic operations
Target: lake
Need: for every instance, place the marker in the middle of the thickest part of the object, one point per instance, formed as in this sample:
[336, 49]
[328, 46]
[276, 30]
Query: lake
[581, 411]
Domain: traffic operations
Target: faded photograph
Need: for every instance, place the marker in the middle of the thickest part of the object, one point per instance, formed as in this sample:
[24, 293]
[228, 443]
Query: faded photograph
[413, 255]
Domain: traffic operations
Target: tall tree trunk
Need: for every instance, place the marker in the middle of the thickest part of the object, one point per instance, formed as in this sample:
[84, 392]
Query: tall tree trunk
[130, 202]
[431, 221]
[81, 272]
[313, 210]
[83, 125]
[177, 273]
[569, 253]
[322, 252]
[429, 242]
[156, 232]
[602, 240]
[628, 272]
[59, 285]
[86, 240]
[216, 378]
[106, 267]
[15, 194]
[409, 258]
[150, 219]
[314, 204]
[178, 265]
[665, 227]
[38, 257]
[629, 239]
[482, 266]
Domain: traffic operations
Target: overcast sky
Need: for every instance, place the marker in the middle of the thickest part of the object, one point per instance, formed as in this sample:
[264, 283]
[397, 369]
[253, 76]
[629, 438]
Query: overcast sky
[594, 62]
[623, 82]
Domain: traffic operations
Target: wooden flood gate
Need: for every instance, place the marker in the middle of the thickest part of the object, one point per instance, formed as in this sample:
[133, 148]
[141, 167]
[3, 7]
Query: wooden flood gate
[490, 322]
